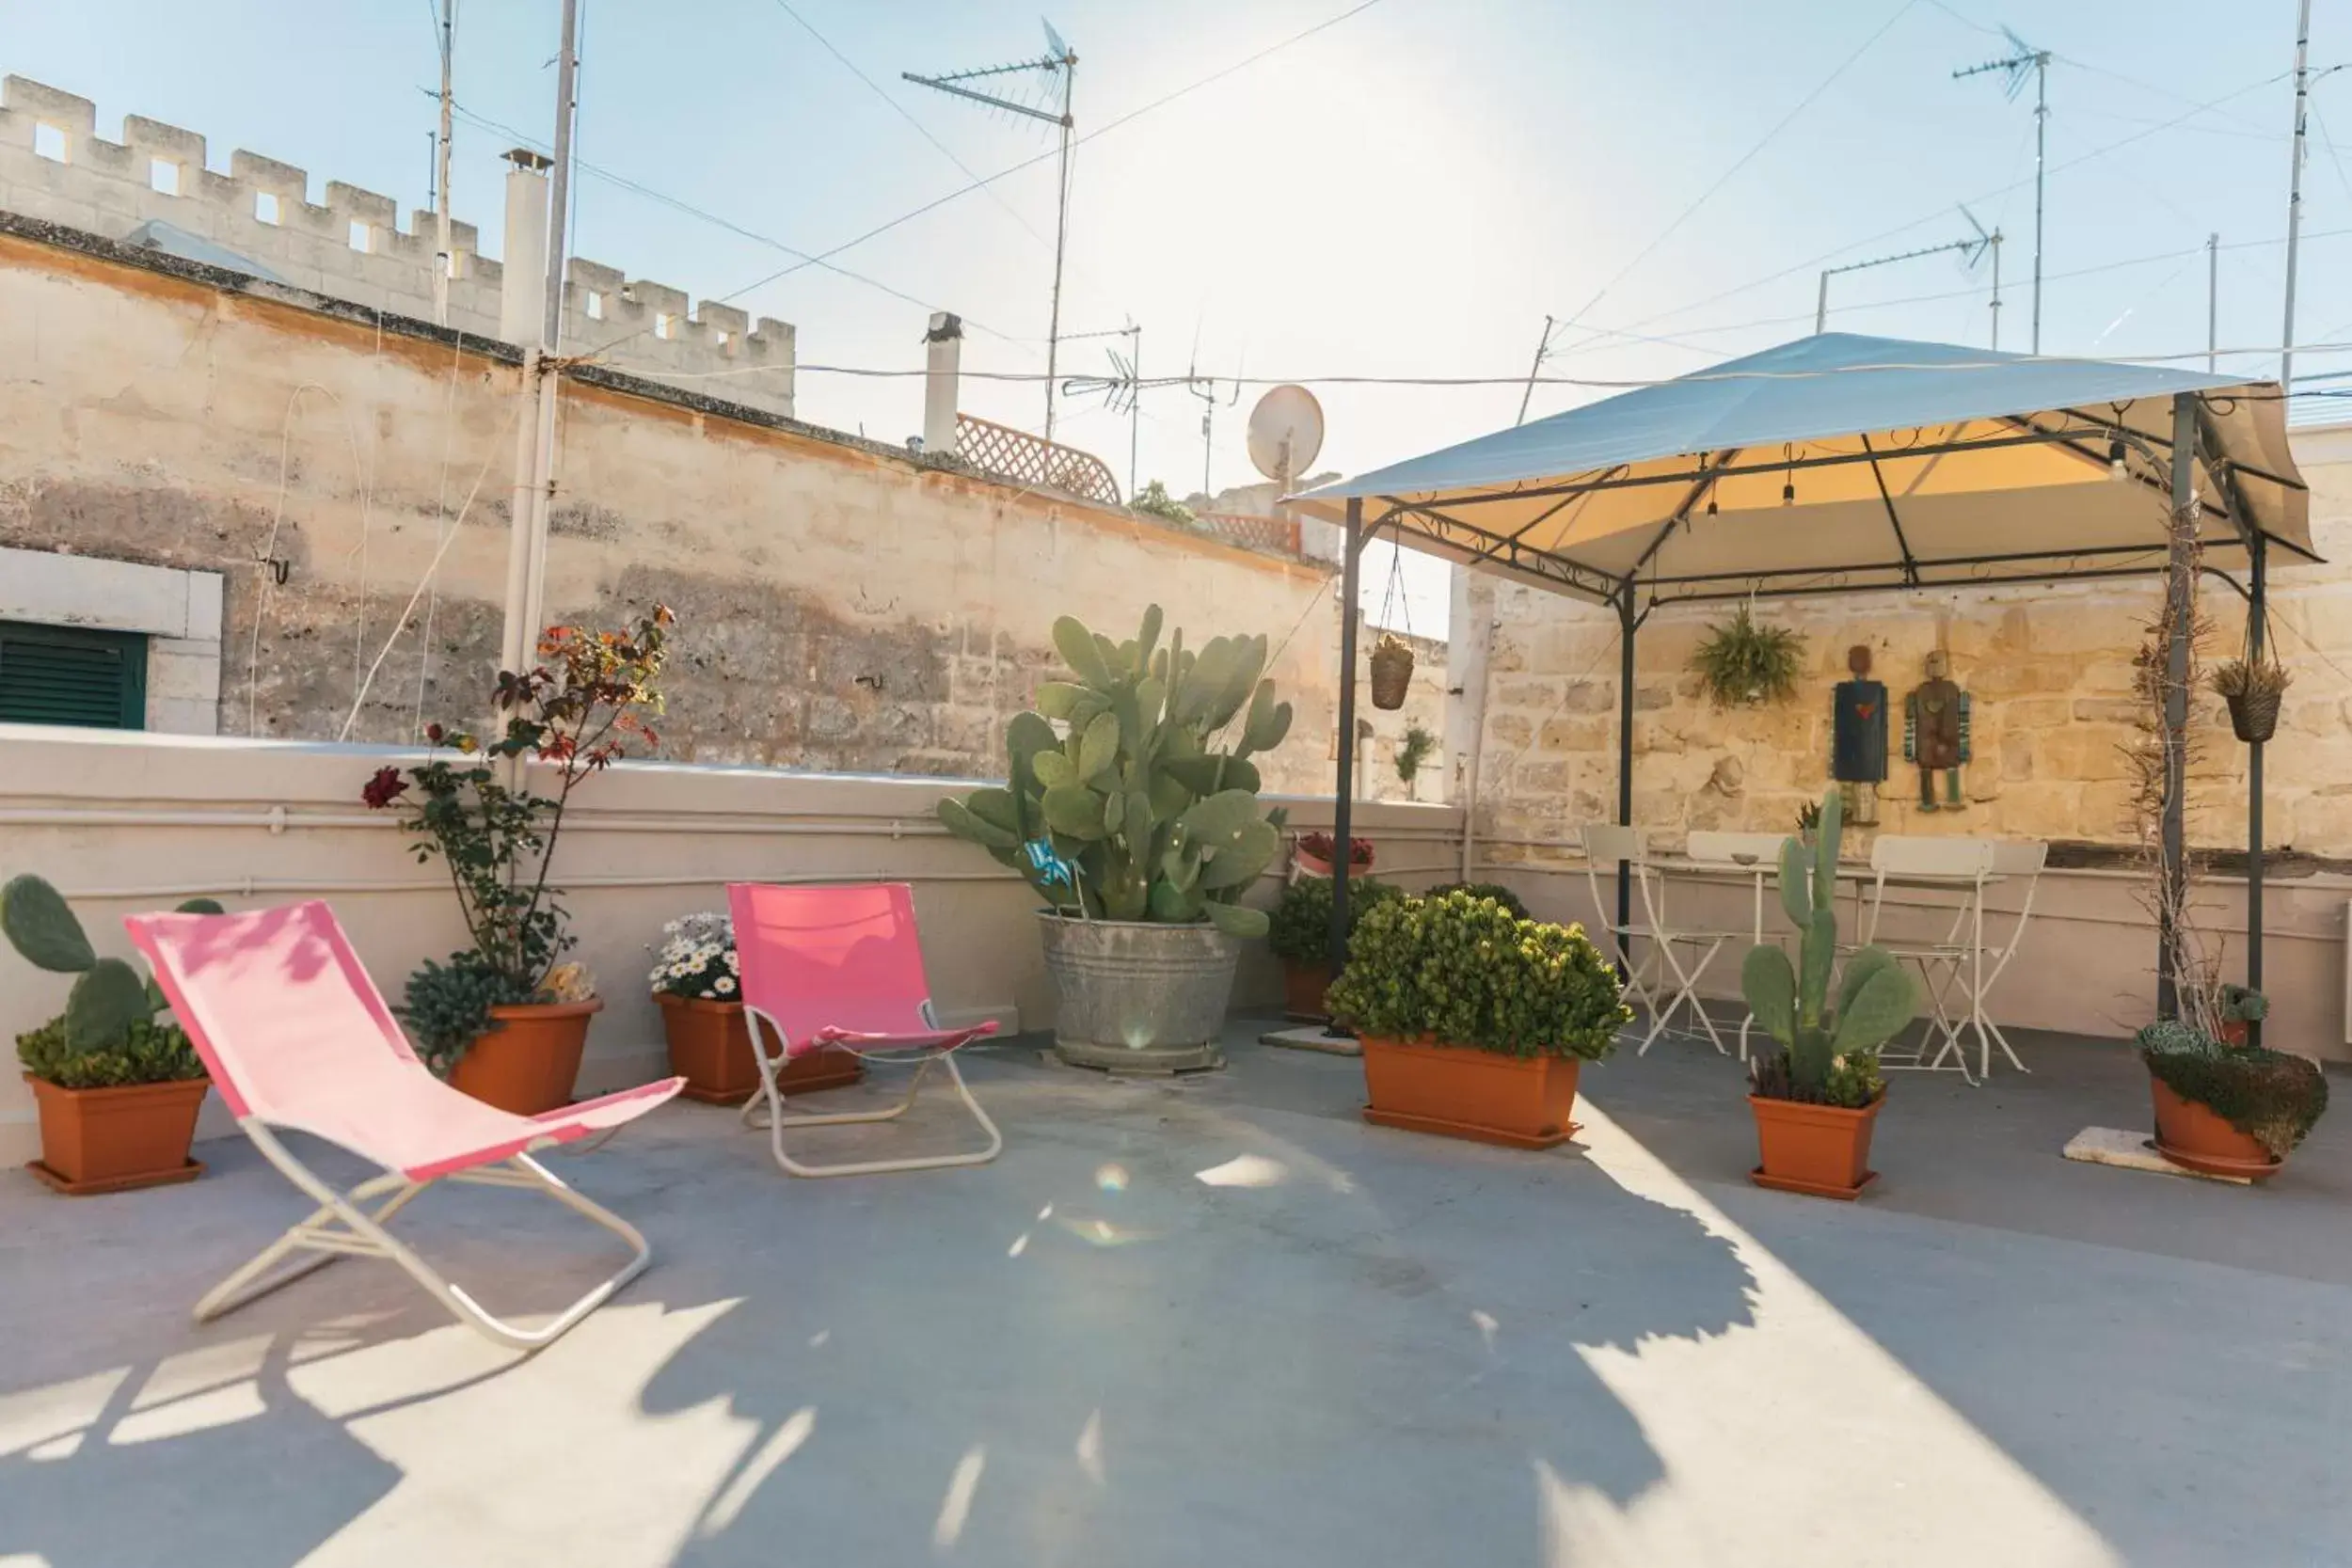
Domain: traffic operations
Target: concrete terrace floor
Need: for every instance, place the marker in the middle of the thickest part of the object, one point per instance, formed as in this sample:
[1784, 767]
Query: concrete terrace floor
[1222, 1321]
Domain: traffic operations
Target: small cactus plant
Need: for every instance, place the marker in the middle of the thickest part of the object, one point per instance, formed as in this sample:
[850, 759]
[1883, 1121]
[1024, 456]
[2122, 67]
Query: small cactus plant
[1135, 810]
[1876, 1000]
[108, 999]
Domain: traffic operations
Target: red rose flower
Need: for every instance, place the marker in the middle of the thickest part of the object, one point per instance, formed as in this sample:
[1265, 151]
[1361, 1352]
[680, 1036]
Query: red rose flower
[383, 790]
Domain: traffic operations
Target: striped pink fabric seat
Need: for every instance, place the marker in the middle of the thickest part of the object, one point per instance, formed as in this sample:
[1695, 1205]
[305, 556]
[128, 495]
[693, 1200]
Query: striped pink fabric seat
[294, 1033]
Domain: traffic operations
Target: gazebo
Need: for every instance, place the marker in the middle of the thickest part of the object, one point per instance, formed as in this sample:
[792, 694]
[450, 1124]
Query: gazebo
[1840, 464]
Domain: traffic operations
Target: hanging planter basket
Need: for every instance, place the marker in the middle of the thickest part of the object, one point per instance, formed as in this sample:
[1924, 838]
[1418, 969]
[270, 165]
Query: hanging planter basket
[2255, 716]
[1391, 671]
[2251, 687]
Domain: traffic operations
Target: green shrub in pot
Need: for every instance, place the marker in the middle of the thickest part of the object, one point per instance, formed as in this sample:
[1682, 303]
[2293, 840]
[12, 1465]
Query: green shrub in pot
[1300, 926]
[1463, 971]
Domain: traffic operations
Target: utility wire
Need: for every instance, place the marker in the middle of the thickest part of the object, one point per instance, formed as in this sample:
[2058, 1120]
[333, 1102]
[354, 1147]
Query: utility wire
[908, 114]
[1744, 159]
[678, 204]
[822, 257]
[1813, 263]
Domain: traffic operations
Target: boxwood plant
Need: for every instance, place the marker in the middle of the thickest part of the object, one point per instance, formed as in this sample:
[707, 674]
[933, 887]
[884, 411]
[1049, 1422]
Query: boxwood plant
[1462, 970]
[1300, 925]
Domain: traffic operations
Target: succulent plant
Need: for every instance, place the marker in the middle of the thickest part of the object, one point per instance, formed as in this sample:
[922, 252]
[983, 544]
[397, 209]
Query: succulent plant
[1134, 809]
[1876, 1000]
[108, 999]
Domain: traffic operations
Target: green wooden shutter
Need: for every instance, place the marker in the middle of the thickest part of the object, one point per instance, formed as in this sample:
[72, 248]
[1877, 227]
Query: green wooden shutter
[73, 676]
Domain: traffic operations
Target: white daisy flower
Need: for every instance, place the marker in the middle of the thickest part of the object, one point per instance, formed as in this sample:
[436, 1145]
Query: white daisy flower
[725, 985]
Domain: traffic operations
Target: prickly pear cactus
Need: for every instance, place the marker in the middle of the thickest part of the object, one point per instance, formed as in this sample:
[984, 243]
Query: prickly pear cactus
[1129, 796]
[108, 996]
[1875, 999]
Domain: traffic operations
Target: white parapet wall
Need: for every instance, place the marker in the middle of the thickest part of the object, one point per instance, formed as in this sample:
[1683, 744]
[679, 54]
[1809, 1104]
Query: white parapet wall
[55, 168]
[124, 822]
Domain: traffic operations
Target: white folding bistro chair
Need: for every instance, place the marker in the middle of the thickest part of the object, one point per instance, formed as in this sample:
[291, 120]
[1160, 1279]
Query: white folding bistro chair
[1954, 962]
[2013, 860]
[1660, 969]
[1757, 855]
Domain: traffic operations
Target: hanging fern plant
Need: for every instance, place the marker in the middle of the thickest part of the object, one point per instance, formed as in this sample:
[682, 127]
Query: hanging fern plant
[1742, 664]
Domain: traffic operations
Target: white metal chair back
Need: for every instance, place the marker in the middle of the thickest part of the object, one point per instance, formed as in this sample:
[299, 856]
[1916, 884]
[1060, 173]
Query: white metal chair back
[1962, 862]
[1607, 845]
[2015, 860]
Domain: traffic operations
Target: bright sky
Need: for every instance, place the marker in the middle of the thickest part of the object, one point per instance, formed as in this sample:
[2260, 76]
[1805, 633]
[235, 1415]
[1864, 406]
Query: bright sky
[1406, 193]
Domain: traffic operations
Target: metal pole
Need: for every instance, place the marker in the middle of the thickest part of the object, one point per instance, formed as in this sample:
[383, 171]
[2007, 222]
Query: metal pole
[1543, 346]
[1061, 234]
[567, 80]
[1134, 404]
[1627, 624]
[2178, 586]
[1997, 288]
[2213, 298]
[2295, 190]
[1342, 812]
[2041, 144]
[442, 261]
[1821, 307]
[2257, 612]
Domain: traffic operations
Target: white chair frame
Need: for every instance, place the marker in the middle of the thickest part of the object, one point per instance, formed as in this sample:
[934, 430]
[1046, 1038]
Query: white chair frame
[772, 1102]
[1956, 961]
[1720, 850]
[344, 1226]
[1610, 843]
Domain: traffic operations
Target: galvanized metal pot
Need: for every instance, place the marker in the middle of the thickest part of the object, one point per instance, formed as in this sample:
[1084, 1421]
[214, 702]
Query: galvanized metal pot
[1136, 997]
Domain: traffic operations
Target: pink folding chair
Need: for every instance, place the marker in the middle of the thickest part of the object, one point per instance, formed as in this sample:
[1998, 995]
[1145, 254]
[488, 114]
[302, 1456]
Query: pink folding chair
[842, 965]
[295, 1036]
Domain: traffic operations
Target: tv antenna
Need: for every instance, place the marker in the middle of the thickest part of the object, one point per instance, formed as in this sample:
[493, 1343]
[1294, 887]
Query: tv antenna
[1056, 67]
[1123, 389]
[2023, 57]
[1970, 251]
[1206, 392]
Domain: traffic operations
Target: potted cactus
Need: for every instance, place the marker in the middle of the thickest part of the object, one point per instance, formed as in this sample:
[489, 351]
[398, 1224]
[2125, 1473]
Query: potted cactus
[1474, 1022]
[116, 1082]
[1817, 1098]
[1138, 824]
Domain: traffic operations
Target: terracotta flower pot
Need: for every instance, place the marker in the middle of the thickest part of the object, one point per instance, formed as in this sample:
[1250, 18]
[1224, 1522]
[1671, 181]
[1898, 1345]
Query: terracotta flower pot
[1314, 865]
[1462, 1092]
[2235, 1031]
[710, 1047]
[529, 1066]
[1303, 986]
[113, 1140]
[2195, 1138]
[1822, 1150]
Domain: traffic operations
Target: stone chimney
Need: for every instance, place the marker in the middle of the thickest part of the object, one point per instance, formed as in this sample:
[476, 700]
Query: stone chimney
[523, 285]
[941, 365]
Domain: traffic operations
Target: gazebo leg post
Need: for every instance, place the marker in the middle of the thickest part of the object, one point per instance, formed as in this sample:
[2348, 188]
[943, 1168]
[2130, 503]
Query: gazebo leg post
[1626, 626]
[1342, 813]
[2257, 619]
[2178, 586]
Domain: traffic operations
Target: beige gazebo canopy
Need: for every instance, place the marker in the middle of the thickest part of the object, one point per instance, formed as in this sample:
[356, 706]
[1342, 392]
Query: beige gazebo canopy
[1842, 463]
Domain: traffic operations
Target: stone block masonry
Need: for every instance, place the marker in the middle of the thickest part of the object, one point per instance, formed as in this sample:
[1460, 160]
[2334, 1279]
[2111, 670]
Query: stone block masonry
[54, 166]
[844, 606]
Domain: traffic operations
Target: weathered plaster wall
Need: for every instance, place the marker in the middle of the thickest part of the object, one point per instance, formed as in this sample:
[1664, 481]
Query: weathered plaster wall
[2050, 670]
[843, 605]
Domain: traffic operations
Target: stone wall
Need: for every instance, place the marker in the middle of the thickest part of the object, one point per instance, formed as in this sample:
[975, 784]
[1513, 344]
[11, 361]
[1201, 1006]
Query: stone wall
[2049, 668]
[843, 605]
[54, 166]
[1425, 705]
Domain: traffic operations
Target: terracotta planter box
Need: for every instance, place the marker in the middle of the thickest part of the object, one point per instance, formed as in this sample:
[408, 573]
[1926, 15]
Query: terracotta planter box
[1460, 1092]
[115, 1140]
[1303, 986]
[529, 1066]
[2195, 1138]
[710, 1047]
[1820, 1151]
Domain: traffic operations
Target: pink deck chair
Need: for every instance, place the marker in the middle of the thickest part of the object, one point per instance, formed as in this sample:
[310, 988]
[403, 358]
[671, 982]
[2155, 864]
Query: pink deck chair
[295, 1036]
[842, 965]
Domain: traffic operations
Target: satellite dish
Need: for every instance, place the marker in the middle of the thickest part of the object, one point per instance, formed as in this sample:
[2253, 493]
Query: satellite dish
[1285, 433]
